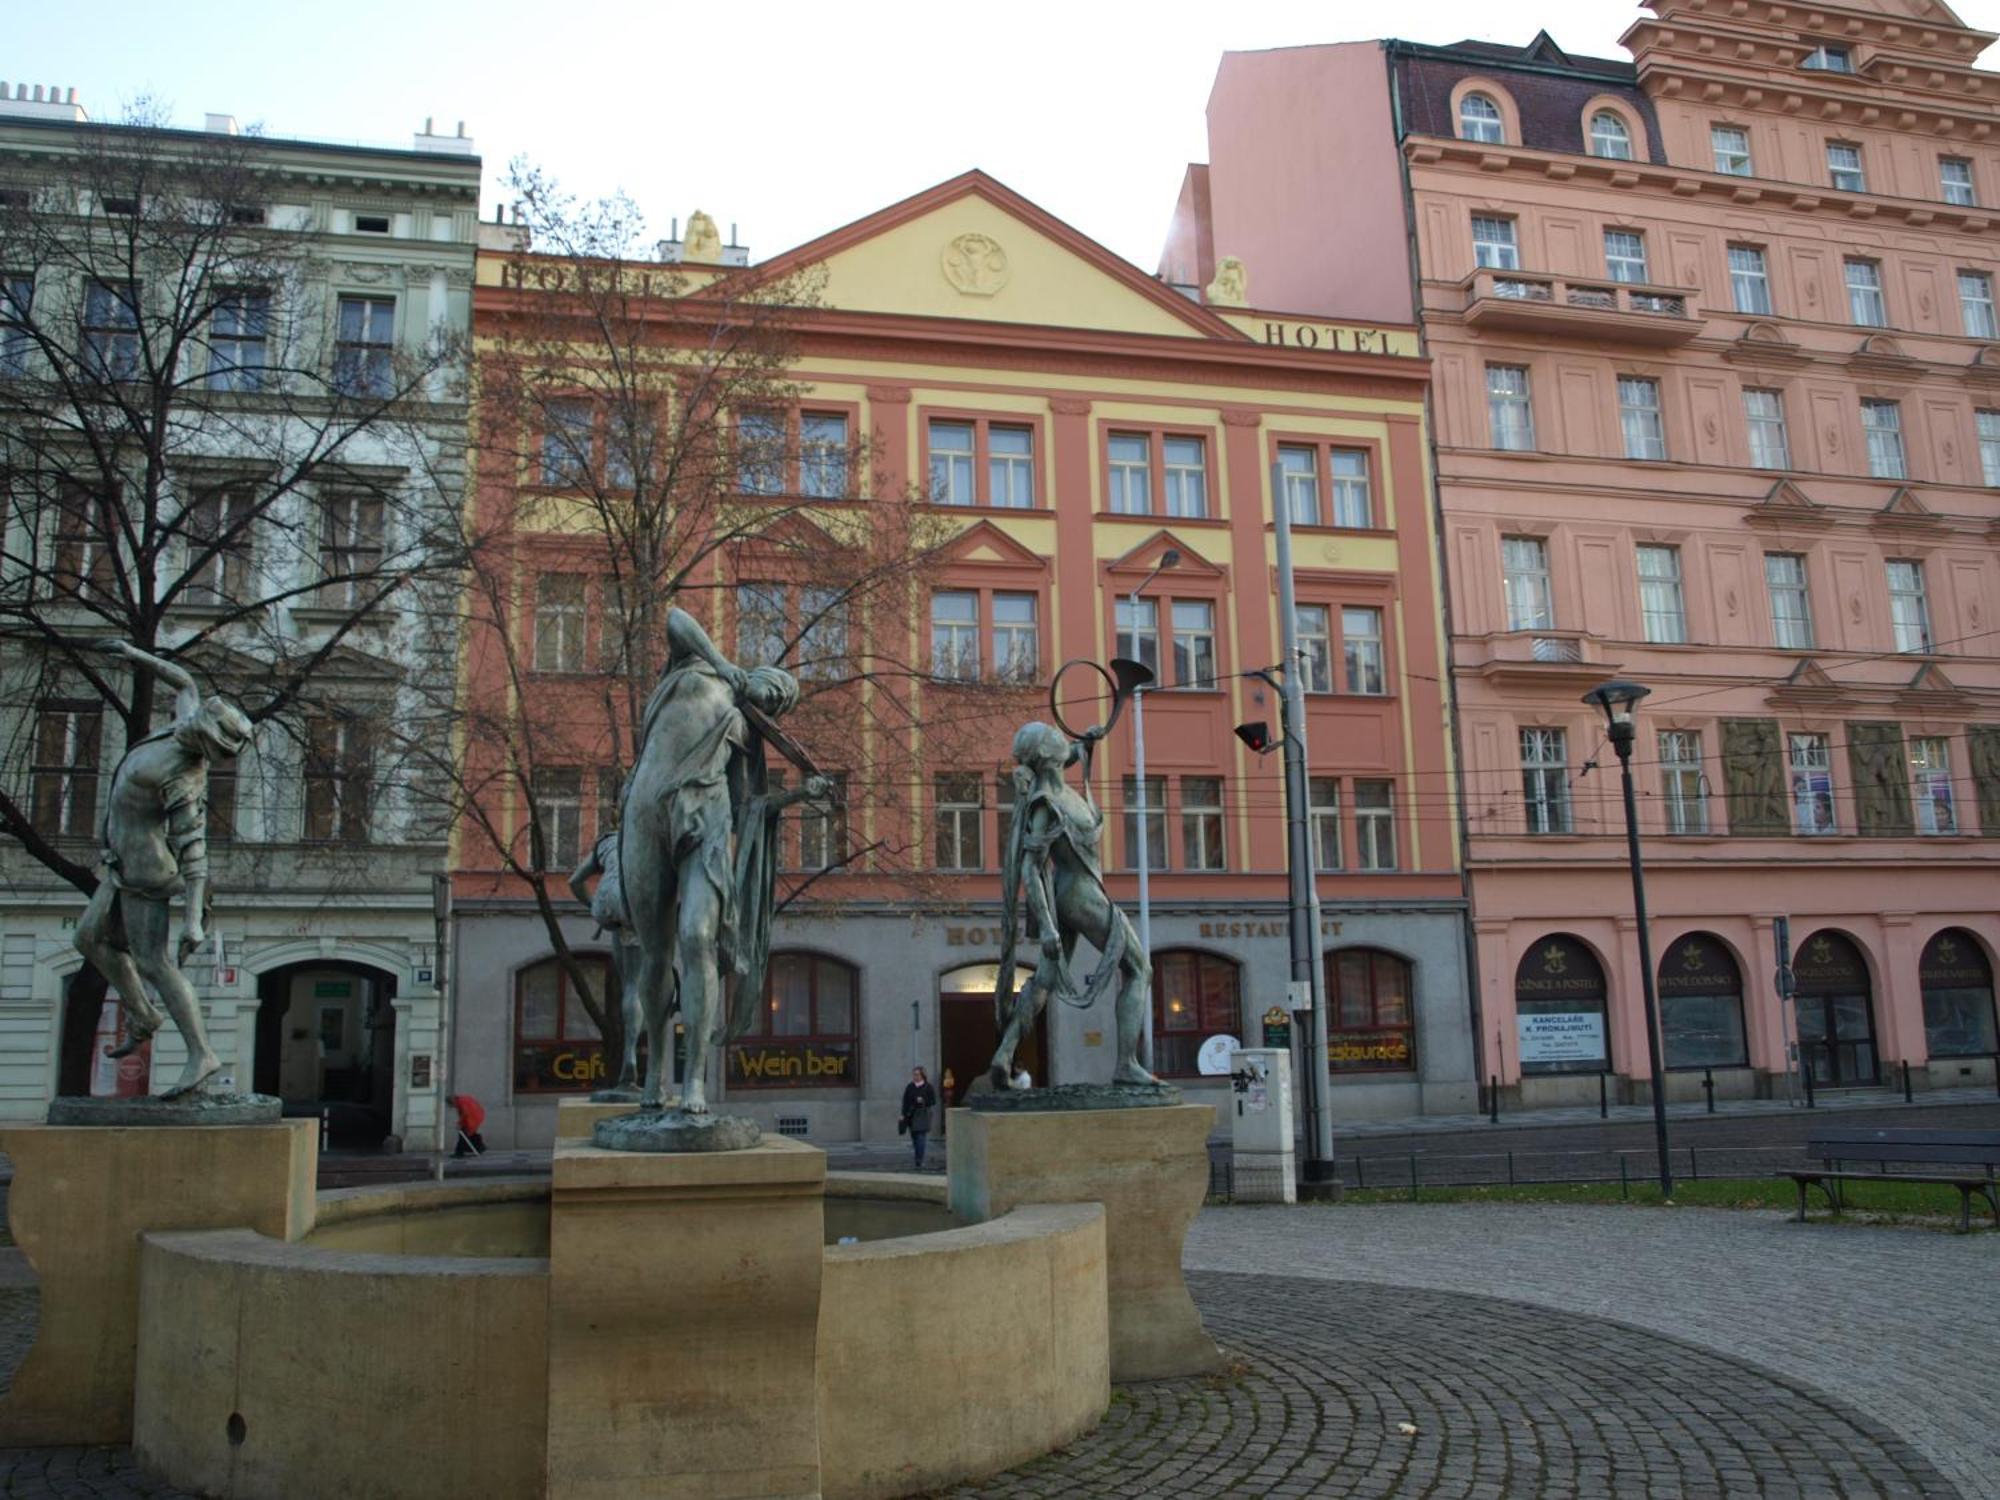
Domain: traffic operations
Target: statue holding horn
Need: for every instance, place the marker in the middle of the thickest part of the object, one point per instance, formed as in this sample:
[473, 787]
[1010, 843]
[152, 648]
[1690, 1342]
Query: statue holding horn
[1051, 863]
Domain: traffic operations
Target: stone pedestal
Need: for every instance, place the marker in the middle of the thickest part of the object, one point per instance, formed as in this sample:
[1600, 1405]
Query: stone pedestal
[82, 1196]
[1148, 1167]
[683, 1322]
[576, 1118]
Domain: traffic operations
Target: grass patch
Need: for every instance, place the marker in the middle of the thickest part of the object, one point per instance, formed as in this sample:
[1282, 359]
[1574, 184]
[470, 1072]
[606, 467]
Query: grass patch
[1899, 1199]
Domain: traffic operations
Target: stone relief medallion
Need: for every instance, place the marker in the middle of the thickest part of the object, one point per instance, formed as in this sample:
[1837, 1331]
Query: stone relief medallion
[976, 265]
[1330, 552]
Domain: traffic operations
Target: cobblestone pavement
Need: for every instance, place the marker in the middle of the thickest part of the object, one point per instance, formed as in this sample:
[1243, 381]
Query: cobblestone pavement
[1503, 1400]
[1897, 1322]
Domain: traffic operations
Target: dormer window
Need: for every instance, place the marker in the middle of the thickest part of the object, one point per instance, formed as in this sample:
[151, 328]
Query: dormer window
[1609, 136]
[1479, 120]
[1824, 59]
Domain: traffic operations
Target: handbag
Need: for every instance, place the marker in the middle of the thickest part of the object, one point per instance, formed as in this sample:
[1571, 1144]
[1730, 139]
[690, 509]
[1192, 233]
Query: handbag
[903, 1126]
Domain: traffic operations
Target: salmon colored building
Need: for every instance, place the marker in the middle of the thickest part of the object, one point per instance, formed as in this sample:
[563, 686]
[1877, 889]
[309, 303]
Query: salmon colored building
[1717, 408]
[1073, 420]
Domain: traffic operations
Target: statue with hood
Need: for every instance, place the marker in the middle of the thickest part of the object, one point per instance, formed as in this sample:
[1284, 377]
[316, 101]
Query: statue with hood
[697, 850]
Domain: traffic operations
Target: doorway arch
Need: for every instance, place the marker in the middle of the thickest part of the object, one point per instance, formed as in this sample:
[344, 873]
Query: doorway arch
[326, 1044]
[969, 1031]
[1701, 1003]
[1836, 1011]
[1560, 1005]
[1957, 981]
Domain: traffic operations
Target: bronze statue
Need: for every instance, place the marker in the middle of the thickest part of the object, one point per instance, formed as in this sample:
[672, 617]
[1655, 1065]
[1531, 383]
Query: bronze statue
[697, 849]
[1051, 861]
[155, 838]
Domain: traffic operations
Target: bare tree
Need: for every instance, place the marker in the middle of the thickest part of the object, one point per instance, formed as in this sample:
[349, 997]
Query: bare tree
[643, 443]
[204, 453]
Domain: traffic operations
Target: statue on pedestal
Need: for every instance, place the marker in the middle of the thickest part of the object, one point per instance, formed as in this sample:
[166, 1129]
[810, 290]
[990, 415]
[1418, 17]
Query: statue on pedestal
[697, 852]
[607, 909]
[1052, 862]
[155, 848]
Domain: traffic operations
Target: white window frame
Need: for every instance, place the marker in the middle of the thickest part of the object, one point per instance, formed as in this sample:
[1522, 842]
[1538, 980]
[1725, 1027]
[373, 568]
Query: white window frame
[559, 810]
[1750, 281]
[1826, 58]
[1683, 786]
[1194, 643]
[1017, 643]
[1931, 791]
[1313, 625]
[1882, 432]
[562, 613]
[1298, 469]
[1729, 146]
[1614, 144]
[1975, 305]
[1131, 480]
[1156, 823]
[1375, 825]
[1510, 408]
[1786, 584]
[1958, 187]
[1545, 780]
[1662, 600]
[1136, 632]
[1866, 305]
[1641, 418]
[1481, 119]
[1323, 814]
[954, 639]
[1909, 605]
[1353, 499]
[1185, 480]
[1525, 583]
[958, 824]
[1010, 472]
[1770, 437]
[1810, 758]
[822, 648]
[1846, 172]
[1203, 846]
[951, 467]
[1364, 662]
[1496, 244]
[1988, 425]
[1625, 256]
[823, 455]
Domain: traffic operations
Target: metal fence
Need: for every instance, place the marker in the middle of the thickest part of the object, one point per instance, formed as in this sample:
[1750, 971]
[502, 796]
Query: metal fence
[1412, 1171]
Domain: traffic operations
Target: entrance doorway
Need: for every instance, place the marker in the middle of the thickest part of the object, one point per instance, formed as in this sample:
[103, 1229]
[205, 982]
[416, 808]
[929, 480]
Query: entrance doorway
[968, 1031]
[326, 1045]
[1836, 1013]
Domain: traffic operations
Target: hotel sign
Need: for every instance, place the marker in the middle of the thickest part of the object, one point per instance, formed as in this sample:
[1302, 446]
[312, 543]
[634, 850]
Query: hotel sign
[1333, 338]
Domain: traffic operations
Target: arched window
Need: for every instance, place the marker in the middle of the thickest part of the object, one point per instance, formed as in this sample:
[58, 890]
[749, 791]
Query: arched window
[1195, 996]
[805, 1033]
[1957, 982]
[557, 1049]
[1835, 1009]
[1701, 1004]
[1559, 999]
[1369, 1023]
[1479, 119]
[1610, 136]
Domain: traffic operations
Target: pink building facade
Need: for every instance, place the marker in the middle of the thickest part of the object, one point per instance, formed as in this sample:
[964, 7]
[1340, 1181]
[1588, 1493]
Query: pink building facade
[1717, 408]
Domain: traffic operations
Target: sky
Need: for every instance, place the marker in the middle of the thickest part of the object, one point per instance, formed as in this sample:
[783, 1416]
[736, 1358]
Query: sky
[785, 119]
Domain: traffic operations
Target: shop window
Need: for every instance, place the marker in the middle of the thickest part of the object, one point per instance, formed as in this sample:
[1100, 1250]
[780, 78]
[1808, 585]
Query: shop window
[1559, 1008]
[557, 1047]
[1701, 1004]
[1957, 982]
[1195, 996]
[807, 1031]
[1370, 1012]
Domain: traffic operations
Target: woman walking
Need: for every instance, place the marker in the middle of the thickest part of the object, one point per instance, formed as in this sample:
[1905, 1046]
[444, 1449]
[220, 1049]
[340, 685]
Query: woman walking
[919, 1100]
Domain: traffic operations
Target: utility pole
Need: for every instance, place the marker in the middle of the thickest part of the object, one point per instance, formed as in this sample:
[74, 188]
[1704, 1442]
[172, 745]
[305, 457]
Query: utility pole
[1171, 558]
[1319, 1177]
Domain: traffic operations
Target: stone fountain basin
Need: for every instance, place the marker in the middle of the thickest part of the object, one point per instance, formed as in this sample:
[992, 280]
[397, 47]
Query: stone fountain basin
[400, 1347]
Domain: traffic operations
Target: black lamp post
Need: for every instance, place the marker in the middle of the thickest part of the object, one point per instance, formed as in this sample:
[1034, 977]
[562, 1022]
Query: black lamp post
[1616, 698]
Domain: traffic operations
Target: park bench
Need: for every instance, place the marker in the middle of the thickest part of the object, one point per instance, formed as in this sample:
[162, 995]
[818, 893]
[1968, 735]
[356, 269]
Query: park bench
[1975, 1154]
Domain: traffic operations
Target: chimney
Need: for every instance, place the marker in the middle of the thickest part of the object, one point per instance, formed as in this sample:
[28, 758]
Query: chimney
[23, 101]
[220, 124]
[428, 139]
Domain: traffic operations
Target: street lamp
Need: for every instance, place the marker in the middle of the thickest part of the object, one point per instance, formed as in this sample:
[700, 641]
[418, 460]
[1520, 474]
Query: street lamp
[1171, 558]
[1615, 698]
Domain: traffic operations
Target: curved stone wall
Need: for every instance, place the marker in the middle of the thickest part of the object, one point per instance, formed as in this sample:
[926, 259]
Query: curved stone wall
[946, 1356]
[271, 1370]
[385, 1355]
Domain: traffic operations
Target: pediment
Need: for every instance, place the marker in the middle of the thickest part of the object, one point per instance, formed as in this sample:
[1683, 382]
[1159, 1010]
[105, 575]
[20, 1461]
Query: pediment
[1809, 674]
[1143, 558]
[1905, 502]
[1786, 504]
[1765, 344]
[973, 249]
[985, 543]
[1984, 365]
[790, 533]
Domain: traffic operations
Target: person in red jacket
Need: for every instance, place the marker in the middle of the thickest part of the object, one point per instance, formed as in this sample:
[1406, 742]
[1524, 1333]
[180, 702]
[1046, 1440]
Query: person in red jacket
[471, 1116]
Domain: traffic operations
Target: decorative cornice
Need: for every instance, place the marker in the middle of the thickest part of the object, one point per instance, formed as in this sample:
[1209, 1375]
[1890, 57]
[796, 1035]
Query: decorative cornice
[1070, 406]
[889, 395]
[1239, 416]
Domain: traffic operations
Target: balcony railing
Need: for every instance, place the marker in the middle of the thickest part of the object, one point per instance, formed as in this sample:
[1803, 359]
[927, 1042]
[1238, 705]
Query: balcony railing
[1532, 301]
